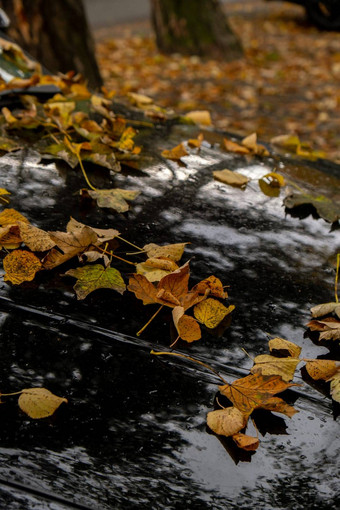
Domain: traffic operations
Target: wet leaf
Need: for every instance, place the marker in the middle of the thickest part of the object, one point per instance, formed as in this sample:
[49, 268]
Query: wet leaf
[93, 277]
[278, 405]
[270, 365]
[280, 344]
[226, 422]
[196, 142]
[211, 312]
[21, 266]
[170, 251]
[246, 442]
[35, 238]
[252, 391]
[116, 199]
[231, 178]
[39, 402]
[327, 209]
[176, 153]
[271, 183]
[186, 326]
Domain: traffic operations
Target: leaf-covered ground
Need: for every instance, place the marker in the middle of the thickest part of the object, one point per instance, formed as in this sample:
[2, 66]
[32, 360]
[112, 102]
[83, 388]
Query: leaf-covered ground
[287, 81]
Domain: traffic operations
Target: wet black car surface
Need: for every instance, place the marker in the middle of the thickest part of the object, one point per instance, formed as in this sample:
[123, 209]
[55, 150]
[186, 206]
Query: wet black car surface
[134, 434]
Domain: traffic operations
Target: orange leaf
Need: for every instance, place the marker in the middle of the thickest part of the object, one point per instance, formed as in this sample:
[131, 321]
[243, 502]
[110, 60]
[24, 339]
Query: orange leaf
[21, 266]
[186, 326]
[214, 285]
[143, 289]
[245, 442]
[234, 147]
[176, 153]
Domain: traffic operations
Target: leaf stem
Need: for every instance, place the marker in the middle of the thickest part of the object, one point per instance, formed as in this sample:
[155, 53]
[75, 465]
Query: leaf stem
[161, 353]
[131, 244]
[116, 256]
[337, 278]
[175, 342]
[149, 321]
[10, 394]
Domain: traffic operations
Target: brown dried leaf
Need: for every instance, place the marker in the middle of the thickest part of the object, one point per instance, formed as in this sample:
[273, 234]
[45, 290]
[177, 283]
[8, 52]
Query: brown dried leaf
[35, 238]
[116, 199]
[104, 235]
[186, 326]
[143, 289]
[325, 309]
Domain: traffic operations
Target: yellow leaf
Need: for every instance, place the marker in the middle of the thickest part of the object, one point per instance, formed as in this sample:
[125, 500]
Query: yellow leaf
[21, 266]
[139, 100]
[271, 183]
[11, 217]
[211, 312]
[176, 153]
[116, 199]
[231, 146]
[286, 141]
[170, 251]
[278, 344]
[186, 326]
[335, 387]
[270, 365]
[161, 263]
[39, 402]
[231, 178]
[250, 142]
[152, 274]
[323, 369]
[202, 117]
[245, 442]
[226, 422]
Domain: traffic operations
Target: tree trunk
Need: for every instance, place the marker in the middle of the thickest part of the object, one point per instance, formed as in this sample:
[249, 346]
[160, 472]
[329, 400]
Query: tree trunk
[194, 27]
[56, 33]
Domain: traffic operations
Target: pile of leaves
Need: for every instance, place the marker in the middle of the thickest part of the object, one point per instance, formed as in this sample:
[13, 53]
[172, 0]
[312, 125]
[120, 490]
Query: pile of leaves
[287, 81]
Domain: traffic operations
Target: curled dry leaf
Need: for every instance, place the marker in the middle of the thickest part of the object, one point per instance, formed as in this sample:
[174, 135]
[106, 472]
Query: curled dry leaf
[270, 365]
[232, 178]
[161, 263]
[211, 312]
[21, 266]
[226, 422]
[10, 237]
[35, 238]
[329, 328]
[327, 370]
[280, 344]
[39, 402]
[170, 251]
[253, 391]
[214, 287]
[245, 442]
[186, 326]
[104, 234]
[76, 241]
[93, 277]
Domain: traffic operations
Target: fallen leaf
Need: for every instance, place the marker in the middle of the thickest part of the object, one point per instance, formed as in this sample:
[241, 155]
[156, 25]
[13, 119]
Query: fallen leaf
[252, 391]
[152, 274]
[231, 146]
[93, 277]
[327, 209]
[211, 312]
[231, 178]
[170, 251]
[270, 365]
[116, 199]
[166, 264]
[329, 328]
[104, 234]
[186, 326]
[196, 142]
[39, 402]
[326, 309]
[213, 285]
[11, 217]
[10, 237]
[335, 387]
[226, 422]
[139, 100]
[278, 405]
[143, 289]
[35, 238]
[176, 153]
[201, 117]
[322, 368]
[246, 442]
[280, 344]
[21, 266]
[250, 142]
[271, 183]
[75, 241]
[9, 145]
[290, 142]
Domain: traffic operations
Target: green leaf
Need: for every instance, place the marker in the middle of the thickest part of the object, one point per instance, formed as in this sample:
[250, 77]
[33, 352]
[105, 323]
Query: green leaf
[93, 277]
[328, 209]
